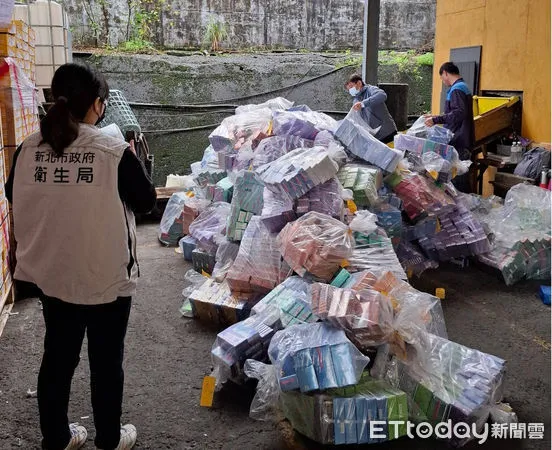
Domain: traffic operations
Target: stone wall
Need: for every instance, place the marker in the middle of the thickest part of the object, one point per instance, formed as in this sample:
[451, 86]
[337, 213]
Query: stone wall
[198, 92]
[309, 24]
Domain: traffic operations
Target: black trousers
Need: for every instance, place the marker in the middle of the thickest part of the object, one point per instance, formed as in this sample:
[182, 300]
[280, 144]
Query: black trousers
[105, 326]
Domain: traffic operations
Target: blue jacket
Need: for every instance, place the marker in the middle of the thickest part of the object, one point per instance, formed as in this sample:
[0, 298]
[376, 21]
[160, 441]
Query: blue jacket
[374, 110]
[458, 118]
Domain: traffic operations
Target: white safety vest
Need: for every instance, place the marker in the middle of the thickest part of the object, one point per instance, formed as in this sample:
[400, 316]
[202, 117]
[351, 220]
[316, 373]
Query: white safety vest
[75, 237]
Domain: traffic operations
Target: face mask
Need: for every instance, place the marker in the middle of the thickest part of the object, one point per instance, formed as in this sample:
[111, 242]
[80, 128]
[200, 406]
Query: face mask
[353, 91]
[102, 117]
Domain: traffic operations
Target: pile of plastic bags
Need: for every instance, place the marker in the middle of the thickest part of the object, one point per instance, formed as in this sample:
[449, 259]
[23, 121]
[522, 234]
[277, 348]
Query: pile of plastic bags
[306, 231]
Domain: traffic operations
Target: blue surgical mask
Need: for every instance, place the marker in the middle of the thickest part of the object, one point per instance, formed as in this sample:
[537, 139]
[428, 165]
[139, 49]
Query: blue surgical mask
[353, 91]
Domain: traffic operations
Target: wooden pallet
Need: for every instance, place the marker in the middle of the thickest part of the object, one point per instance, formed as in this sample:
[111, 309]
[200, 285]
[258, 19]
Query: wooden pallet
[6, 305]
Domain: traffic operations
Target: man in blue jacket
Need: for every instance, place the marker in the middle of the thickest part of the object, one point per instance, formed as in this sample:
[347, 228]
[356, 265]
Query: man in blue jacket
[370, 101]
[458, 116]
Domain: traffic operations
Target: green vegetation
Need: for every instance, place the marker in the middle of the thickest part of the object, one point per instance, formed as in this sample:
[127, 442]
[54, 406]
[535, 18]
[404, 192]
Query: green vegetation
[215, 34]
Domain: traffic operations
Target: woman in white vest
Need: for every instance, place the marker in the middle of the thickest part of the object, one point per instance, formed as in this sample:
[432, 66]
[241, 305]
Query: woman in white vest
[74, 191]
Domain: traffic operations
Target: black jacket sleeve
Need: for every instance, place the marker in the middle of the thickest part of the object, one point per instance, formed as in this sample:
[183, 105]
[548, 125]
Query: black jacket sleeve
[135, 186]
[9, 183]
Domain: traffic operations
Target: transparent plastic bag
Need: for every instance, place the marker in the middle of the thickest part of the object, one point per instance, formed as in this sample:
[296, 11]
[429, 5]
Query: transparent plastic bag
[247, 201]
[274, 104]
[364, 222]
[176, 217]
[209, 228]
[273, 147]
[248, 339]
[421, 146]
[241, 130]
[317, 244]
[258, 266]
[292, 298]
[357, 137]
[418, 128]
[434, 133]
[193, 281]
[365, 315]
[363, 180]
[264, 406]
[315, 356]
[325, 198]
[225, 257]
[335, 149]
[210, 159]
[278, 210]
[303, 124]
[298, 171]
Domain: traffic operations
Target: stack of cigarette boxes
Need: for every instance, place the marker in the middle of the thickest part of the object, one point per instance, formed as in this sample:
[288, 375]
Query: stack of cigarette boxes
[317, 244]
[366, 314]
[343, 416]
[214, 303]
[420, 146]
[209, 227]
[325, 198]
[257, 267]
[298, 171]
[292, 299]
[248, 339]
[209, 176]
[247, 201]
[5, 275]
[362, 144]
[363, 180]
[390, 219]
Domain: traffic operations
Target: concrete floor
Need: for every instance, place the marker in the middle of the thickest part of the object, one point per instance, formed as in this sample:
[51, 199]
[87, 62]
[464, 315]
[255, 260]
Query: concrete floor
[167, 357]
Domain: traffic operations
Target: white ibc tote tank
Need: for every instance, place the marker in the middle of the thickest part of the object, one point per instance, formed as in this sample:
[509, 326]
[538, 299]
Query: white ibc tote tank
[53, 41]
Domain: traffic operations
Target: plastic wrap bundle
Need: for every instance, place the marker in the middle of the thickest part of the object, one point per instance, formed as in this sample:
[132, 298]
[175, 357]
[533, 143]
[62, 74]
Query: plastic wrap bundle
[277, 210]
[446, 381]
[213, 302]
[180, 211]
[334, 148]
[221, 191]
[421, 146]
[357, 137]
[315, 356]
[209, 227]
[325, 198]
[420, 196]
[292, 298]
[363, 180]
[225, 257]
[193, 207]
[412, 259]
[273, 147]
[343, 416]
[434, 133]
[247, 201]
[460, 235]
[365, 315]
[248, 339]
[274, 104]
[374, 252]
[239, 130]
[298, 171]
[521, 229]
[317, 244]
[193, 281]
[302, 124]
[258, 266]
[209, 159]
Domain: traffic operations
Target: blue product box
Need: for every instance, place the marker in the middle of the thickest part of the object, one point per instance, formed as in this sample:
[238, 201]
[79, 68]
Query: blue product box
[362, 423]
[289, 383]
[323, 366]
[306, 377]
[343, 364]
[544, 293]
[188, 244]
[340, 434]
[350, 421]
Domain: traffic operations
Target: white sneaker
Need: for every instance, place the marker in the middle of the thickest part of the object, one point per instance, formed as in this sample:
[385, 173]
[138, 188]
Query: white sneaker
[78, 437]
[128, 437]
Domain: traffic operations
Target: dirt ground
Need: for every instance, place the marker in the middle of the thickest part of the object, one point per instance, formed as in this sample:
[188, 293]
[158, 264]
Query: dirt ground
[167, 357]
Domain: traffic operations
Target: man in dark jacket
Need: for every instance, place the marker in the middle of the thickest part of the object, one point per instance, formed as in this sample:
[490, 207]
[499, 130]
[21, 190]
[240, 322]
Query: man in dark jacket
[458, 116]
[370, 101]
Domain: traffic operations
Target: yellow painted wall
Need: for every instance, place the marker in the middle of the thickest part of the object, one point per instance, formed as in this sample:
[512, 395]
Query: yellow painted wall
[515, 36]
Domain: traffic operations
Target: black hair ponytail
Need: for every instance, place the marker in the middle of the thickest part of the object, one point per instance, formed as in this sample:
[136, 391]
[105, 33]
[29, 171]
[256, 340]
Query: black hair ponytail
[75, 88]
[59, 128]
